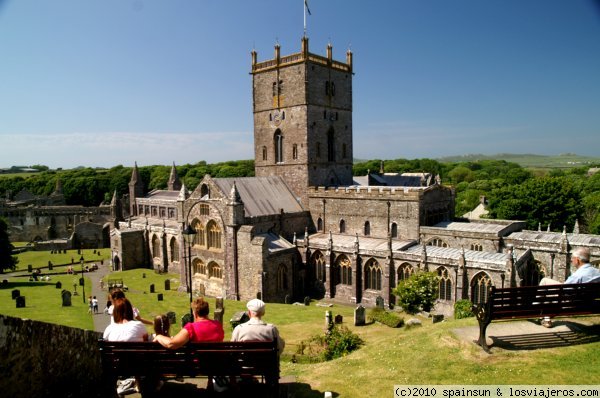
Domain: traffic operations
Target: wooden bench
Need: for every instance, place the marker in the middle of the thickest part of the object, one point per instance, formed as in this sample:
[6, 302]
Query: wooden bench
[227, 358]
[536, 302]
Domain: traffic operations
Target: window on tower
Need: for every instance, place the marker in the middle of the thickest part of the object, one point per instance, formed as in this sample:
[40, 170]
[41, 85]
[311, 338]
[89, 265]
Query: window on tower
[264, 153]
[330, 146]
[295, 152]
[278, 142]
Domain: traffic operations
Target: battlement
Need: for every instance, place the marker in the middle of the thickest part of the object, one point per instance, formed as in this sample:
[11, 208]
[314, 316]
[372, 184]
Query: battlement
[300, 57]
[411, 193]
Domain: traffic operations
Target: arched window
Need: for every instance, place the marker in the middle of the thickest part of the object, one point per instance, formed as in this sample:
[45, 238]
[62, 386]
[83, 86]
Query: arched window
[372, 275]
[199, 267]
[282, 280]
[394, 230]
[214, 270]
[204, 210]
[155, 247]
[295, 152]
[174, 246]
[437, 242]
[278, 143]
[480, 288]
[264, 153]
[318, 263]
[213, 233]
[345, 267]
[320, 224]
[404, 271]
[445, 284]
[367, 228]
[204, 191]
[342, 226]
[477, 247]
[199, 238]
[330, 146]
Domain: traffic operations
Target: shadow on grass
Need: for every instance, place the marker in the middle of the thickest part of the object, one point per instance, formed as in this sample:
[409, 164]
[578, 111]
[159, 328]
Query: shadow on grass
[10, 285]
[303, 390]
[576, 335]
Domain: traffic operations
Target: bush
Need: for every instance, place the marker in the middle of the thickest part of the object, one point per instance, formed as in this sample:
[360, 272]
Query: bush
[462, 309]
[418, 292]
[390, 319]
[338, 342]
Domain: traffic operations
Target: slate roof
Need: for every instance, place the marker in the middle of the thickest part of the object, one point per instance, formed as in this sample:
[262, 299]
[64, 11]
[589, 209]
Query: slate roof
[455, 254]
[365, 243]
[489, 228]
[262, 195]
[163, 195]
[556, 237]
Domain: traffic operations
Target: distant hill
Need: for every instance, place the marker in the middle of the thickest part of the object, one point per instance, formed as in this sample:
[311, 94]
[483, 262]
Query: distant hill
[564, 160]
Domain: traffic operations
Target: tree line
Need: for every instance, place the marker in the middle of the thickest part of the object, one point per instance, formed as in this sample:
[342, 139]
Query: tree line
[556, 198]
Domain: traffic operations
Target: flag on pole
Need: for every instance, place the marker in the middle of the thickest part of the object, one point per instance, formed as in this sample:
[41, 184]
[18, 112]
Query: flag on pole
[306, 6]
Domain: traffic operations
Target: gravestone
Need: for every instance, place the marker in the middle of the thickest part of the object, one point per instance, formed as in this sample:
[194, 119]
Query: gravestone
[359, 316]
[81, 281]
[328, 320]
[218, 316]
[144, 275]
[59, 285]
[152, 288]
[187, 318]
[4, 282]
[15, 293]
[435, 318]
[288, 299]
[50, 266]
[21, 302]
[172, 317]
[307, 300]
[160, 296]
[168, 284]
[219, 303]
[379, 303]
[338, 319]
[29, 268]
[66, 298]
[238, 318]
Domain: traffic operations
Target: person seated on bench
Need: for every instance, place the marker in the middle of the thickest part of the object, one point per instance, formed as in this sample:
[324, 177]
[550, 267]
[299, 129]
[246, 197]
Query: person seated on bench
[584, 273]
[118, 294]
[202, 329]
[256, 329]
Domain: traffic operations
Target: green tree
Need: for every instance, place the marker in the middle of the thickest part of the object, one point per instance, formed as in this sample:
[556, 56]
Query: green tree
[7, 260]
[418, 292]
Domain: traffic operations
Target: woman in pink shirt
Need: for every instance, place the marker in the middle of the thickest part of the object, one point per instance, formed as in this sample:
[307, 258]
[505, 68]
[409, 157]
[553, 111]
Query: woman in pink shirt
[202, 329]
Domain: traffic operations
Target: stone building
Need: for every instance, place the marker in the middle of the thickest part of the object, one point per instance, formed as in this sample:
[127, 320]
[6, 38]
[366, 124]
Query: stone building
[305, 226]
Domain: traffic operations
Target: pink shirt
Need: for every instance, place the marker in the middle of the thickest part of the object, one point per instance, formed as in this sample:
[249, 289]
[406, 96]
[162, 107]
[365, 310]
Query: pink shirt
[206, 330]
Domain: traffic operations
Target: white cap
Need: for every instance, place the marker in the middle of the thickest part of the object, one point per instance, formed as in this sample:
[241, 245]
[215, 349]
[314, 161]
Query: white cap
[256, 305]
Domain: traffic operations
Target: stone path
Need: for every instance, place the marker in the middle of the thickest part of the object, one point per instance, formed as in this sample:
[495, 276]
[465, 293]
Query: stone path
[101, 320]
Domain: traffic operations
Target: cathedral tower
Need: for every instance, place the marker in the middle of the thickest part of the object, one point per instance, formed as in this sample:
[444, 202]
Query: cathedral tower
[136, 190]
[302, 106]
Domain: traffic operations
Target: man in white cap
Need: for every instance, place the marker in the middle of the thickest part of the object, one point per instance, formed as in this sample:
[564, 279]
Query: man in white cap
[256, 329]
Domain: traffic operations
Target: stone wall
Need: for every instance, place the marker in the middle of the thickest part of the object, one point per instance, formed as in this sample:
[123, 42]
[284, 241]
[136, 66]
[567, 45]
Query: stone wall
[46, 360]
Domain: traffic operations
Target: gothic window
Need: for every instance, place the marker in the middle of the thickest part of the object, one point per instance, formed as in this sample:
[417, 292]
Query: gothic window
[330, 146]
[344, 156]
[213, 235]
[204, 210]
[264, 153]
[345, 269]
[155, 247]
[199, 238]
[326, 88]
[437, 242]
[154, 212]
[214, 270]
[372, 275]
[282, 282]
[318, 149]
[171, 213]
[199, 267]
[278, 143]
[204, 191]
[320, 224]
[477, 247]
[274, 89]
[324, 115]
[295, 152]
[342, 226]
[163, 212]
[394, 230]
[480, 288]
[445, 284]
[332, 86]
[319, 266]
[404, 272]
[367, 231]
[174, 246]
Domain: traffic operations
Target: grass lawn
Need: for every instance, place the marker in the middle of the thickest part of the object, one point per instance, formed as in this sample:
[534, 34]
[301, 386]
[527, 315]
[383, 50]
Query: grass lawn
[429, 354]
[39, 259]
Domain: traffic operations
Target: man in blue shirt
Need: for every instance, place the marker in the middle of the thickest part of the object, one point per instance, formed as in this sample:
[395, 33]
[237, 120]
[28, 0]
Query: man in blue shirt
[585, 272]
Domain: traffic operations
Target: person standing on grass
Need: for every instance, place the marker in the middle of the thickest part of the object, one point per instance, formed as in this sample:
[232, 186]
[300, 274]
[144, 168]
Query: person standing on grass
[118, 294]
[202, 329]
[95, 304]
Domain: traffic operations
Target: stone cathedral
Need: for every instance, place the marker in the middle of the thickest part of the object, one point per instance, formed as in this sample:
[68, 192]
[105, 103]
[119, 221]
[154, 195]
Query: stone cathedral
[305, 226]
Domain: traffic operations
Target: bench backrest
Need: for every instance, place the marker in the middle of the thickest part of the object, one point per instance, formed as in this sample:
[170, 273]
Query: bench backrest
[215, 359]
[549, 300]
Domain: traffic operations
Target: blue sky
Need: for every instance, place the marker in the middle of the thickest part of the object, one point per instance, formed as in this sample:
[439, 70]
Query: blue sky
[108, 82]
